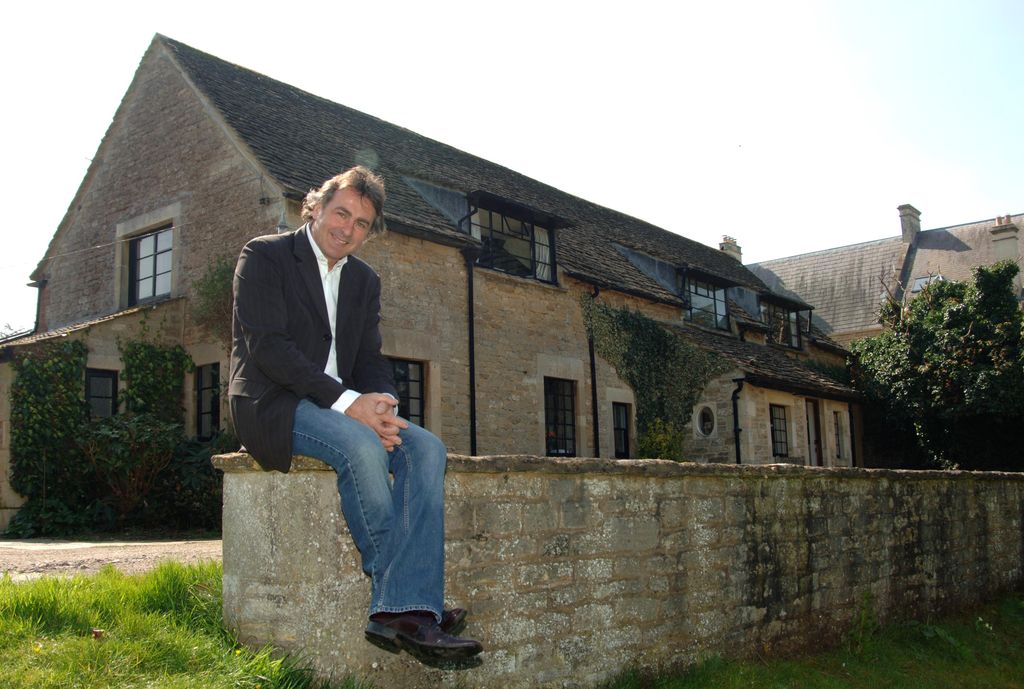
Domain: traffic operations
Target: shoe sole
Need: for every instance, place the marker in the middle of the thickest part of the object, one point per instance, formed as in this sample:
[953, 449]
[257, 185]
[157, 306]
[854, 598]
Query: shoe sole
[390, 640]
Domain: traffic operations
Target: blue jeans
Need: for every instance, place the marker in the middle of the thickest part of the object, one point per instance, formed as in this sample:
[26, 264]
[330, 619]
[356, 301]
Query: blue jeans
[397, 523]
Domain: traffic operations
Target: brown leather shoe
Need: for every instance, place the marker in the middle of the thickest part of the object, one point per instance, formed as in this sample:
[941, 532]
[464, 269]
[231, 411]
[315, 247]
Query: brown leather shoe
[453, 621]
[420, 635]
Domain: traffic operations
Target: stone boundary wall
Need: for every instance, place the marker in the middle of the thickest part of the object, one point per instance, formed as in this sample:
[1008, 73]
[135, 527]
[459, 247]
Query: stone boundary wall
[575, 569]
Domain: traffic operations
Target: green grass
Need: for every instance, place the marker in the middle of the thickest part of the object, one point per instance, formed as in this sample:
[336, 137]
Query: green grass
[980, 650]
[161, 629]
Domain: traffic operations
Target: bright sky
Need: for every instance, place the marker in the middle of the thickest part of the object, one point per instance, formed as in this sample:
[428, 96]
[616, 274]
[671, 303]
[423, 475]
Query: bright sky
[792, 126]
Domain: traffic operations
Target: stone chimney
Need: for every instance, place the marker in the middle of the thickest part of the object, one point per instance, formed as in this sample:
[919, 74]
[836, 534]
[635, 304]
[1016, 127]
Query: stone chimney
[910, 222]
[731, 248]
[1004, 239]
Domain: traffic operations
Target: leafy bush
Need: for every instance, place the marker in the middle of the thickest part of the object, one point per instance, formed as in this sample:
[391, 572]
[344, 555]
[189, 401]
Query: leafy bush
[127, 452]
[946, 380]
[187, 494]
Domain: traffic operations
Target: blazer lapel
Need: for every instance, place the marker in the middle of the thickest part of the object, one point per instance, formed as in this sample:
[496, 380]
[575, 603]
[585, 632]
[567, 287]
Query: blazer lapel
[310, 272]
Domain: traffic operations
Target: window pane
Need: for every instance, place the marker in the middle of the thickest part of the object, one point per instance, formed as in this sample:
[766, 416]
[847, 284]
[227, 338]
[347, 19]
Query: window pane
[100, 387]
[146, 246]
[145, 268]
[163, 240]
[163, 284]
[145, 290]
[163, 262]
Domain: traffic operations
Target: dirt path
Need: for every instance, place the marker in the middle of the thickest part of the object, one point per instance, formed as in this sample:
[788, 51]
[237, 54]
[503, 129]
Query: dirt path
[29, 558]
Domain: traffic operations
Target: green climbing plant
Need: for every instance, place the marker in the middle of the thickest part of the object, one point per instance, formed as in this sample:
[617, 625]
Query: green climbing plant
[667, 373]
[154, 376]
[211, 303]
[48, 415]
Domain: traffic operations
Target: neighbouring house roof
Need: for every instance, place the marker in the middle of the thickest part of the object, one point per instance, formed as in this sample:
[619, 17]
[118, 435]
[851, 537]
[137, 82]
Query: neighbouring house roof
[303, 139]
[846, 285]
[954, 252]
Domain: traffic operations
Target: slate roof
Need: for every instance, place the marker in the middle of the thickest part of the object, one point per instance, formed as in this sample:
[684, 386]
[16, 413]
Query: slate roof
[955, 251]
[769, 365]
[847, 284]
[303, 139]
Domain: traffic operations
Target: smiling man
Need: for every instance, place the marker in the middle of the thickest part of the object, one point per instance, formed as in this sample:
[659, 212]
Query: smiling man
[308, 377]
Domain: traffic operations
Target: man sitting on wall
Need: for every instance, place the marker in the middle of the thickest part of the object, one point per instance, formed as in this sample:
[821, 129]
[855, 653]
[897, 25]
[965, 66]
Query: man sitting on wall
[308, 377]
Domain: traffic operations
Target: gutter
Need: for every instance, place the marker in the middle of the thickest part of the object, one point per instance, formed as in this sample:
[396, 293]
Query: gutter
[593, 385]
[736, 430]
[471, 253]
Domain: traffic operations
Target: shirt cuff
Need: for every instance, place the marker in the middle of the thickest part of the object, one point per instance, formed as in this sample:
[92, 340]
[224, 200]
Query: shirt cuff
[345, 401]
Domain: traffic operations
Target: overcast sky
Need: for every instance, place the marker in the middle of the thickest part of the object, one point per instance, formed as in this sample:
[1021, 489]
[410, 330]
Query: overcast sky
[792, 126]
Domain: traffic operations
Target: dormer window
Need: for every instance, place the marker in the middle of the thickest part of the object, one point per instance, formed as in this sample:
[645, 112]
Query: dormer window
[705, 304]
[513, 245]
[783, 325]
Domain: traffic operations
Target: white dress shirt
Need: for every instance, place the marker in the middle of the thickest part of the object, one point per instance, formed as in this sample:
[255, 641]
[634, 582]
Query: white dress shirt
[331, 280]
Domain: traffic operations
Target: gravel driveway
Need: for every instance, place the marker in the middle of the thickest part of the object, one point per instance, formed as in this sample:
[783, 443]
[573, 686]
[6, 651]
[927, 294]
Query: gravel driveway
[29, 558]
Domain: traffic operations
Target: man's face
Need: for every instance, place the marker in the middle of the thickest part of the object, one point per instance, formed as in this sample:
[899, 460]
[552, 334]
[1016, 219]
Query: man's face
[340, 226]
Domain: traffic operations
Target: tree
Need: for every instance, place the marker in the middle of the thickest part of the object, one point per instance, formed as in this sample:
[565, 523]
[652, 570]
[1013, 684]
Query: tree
[945, 380]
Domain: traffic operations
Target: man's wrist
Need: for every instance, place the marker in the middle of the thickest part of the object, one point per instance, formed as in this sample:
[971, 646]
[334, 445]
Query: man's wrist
[345, 401]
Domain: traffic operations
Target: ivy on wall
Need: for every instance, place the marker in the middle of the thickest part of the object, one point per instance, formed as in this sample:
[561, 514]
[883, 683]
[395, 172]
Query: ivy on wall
[154, 377]
[48, 415]
[667, 373]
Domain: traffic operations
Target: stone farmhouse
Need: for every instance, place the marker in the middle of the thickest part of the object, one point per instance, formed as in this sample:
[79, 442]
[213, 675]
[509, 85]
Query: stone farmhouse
[482, 268]
[847, 284]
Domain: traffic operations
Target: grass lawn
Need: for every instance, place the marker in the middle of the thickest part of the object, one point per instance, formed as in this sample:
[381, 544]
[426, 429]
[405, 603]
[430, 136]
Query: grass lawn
[163, 630]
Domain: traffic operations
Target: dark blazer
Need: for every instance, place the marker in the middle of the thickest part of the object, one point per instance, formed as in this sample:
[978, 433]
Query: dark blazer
[281, 339]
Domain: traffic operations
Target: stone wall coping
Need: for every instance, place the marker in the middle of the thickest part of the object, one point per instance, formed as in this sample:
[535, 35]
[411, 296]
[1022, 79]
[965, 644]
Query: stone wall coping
[238, 462]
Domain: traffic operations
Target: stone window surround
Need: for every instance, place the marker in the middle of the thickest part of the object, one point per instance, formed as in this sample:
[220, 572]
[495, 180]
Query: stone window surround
[423, 348]
[136, 227]
[566, 368]
[698, 409]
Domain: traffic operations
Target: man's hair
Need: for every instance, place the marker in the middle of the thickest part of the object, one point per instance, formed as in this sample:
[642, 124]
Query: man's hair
[363, 181]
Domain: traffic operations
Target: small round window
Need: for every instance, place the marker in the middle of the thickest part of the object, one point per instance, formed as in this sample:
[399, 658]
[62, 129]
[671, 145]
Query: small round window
[706, 421]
